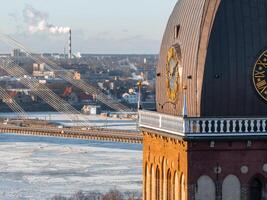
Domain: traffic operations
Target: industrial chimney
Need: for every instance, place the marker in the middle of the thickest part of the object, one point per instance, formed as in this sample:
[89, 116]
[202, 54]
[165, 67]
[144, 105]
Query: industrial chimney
[70, 53]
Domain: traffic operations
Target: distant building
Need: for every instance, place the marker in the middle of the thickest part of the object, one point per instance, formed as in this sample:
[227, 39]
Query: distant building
[4, 55]
[85, 98]
[76, 76]
[131, 98]
[145, 61]
[73, 98]
[39, 70]
[91, 109]
[18, 53]
[47, 55]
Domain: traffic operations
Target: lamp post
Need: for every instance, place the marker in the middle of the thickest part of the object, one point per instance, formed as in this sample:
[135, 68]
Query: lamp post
[139, 85]
[184, 114]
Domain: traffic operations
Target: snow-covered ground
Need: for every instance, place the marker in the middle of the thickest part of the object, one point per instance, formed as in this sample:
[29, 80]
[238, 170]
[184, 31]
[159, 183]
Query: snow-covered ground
[90, 120]
[40, 167]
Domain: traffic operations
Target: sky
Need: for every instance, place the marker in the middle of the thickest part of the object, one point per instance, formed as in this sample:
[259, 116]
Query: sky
[98, 26]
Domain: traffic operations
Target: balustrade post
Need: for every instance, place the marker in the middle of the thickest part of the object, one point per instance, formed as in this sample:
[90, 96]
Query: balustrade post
[234, 126]
[209, 126]
[186, 127]
[221, 126]
[192, 127]
[258, 126]
[197, 126]
[263, 125]
[228, 126]
[215, 126]
[252, 125]
[203, 126]
[240, 124]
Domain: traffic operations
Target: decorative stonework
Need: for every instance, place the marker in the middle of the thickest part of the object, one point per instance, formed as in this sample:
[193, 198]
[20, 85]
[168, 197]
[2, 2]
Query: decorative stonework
[244, 169]
[264, 168]
[217, 170]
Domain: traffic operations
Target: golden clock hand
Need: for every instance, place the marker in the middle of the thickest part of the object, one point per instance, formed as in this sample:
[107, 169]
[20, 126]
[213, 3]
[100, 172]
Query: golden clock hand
[174, 69]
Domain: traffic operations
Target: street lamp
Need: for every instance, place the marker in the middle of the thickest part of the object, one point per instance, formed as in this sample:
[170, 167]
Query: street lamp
[139, 85]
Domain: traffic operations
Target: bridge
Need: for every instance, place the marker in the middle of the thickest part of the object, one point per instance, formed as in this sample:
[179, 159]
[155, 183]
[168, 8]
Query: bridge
[75, 133]
[85, 131]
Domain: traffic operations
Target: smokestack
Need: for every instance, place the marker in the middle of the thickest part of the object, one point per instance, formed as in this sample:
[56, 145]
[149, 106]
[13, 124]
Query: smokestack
[70, 53]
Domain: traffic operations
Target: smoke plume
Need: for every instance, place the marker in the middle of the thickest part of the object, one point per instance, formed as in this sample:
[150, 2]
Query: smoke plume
[37, 21]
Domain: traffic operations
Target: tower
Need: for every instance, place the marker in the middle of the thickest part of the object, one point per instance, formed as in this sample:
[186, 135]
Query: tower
[208, 138]
[70, 47]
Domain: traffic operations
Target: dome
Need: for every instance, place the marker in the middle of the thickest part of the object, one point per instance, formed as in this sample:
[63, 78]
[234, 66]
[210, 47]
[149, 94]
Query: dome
[211, 59]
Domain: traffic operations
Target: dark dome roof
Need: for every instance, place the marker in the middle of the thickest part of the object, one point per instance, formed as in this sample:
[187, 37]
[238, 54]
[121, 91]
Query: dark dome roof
[219, 41]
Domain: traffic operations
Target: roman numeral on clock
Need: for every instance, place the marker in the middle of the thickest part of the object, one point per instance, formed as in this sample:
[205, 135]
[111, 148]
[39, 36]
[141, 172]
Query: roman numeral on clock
[259, 74]
[262, 63]
[262, 86]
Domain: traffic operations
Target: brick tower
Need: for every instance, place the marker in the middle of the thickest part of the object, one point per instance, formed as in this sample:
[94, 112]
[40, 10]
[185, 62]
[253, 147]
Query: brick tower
[208, 138]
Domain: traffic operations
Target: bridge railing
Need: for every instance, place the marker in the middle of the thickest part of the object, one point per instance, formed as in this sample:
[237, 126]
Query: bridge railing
[202, 126]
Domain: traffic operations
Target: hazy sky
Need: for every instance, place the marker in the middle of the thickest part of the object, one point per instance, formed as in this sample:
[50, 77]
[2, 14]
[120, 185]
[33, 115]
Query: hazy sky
[98, 26]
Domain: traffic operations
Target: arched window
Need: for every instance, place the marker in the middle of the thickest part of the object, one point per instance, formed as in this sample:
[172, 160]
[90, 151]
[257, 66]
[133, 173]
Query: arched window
[157, 184]
[175, 188]
[182, 188]
[152, 186]
[231, 188]
[256, 189]
[205, 188]
[163, 184]
[148, 183]
[169, 185]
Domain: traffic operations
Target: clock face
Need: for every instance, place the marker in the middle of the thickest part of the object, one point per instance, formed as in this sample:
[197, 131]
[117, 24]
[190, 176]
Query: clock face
[173, 73]
[259, 75]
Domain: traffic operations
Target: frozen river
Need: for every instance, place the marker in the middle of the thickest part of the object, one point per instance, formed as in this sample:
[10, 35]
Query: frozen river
[41, 167]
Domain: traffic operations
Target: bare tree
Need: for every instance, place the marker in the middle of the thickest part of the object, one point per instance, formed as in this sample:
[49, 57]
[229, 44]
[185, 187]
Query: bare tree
[133, 196]
[113, 195]
[59, 197]
[78, 196]
[95, 195]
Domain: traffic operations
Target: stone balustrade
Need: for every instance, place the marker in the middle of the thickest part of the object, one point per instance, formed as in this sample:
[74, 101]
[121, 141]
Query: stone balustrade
[202, 126]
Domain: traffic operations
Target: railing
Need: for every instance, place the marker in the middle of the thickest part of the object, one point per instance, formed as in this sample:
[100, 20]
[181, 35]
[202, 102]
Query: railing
[202, 126]
[162, 122]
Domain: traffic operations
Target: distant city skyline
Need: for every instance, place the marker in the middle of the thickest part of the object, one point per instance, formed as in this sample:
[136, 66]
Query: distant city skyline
[110, 27]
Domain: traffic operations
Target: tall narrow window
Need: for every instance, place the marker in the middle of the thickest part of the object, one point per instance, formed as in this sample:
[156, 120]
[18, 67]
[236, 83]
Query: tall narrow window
[157, 184]
[169, 185]
[176, 31]
[256, 188]
[163, 185]
[175, 187]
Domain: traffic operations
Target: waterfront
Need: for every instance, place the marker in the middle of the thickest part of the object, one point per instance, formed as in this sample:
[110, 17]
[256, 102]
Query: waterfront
[41, 167]
[90, 120]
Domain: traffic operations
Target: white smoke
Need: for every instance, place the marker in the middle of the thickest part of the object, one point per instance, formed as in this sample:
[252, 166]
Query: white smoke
[37, 21]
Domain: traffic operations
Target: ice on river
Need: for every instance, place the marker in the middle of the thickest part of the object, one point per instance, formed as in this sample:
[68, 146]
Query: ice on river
[40, 167]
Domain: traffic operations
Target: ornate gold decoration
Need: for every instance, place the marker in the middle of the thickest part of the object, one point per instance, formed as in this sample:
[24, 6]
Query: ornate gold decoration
[173, 72]
[259, 75]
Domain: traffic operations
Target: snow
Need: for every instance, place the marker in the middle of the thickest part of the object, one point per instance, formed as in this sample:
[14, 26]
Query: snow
[40, 167]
